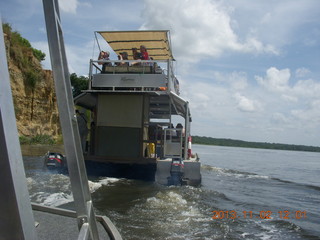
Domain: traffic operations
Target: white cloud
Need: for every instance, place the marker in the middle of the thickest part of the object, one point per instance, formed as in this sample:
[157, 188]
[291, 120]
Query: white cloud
[236, 80]
[69, 6]
[76, 64]
[278, 81]
[309, 117]
[244, 103]
[302, 72]
[275, 80]
[199, 29]
[252, 45]
[43, 46]
[79, 65]
[279, 118]
[288, 112]
[276, 22]
[289, 98]
[307, 88]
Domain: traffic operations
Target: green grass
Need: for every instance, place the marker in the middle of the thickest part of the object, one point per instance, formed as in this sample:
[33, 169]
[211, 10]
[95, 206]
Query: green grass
[38, 139]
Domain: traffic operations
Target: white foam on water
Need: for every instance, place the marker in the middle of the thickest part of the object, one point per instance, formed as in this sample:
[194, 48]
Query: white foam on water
[258, 176]
[30, 181]
[175, 210]
[94, 186]
[253, 176]
[52, 199]
[269, 231]
[244, 235]
[235, 174]
[55, 190]
[57, 199]
[163, 200]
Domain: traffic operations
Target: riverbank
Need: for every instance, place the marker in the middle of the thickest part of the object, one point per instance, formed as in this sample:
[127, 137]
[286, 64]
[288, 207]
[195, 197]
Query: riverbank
[245, 144]
[41, 149]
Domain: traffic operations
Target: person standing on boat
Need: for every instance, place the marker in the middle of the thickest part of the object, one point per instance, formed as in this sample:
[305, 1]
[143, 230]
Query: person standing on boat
[180, 130]
[83, 128]
[104, 55]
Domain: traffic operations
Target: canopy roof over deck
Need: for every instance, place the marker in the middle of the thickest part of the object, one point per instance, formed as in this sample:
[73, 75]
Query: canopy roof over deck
[156, 42]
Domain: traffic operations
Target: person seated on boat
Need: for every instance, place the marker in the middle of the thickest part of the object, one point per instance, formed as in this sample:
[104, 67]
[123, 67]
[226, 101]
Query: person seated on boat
[136, 56]
[104, 55]
[123, 56]
[144, 55]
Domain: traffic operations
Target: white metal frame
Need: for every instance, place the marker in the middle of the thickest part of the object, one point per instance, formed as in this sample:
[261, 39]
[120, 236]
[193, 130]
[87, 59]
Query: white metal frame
[77, 171]
[172, 149]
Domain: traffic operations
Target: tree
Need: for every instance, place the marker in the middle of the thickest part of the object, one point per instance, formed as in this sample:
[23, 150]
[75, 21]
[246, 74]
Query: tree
[78, 83]
[39, 54]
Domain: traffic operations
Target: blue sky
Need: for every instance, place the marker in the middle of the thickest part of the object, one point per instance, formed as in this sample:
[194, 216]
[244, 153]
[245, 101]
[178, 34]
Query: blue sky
[250, 69]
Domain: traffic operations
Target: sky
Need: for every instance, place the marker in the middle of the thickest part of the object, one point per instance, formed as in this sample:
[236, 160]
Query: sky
[250, 69]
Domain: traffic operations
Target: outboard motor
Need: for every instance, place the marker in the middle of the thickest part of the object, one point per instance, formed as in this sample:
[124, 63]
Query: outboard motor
[176, 172]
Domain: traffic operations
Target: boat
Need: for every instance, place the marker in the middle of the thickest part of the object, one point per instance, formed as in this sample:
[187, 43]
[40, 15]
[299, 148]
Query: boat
[53, 160]
[130, 105]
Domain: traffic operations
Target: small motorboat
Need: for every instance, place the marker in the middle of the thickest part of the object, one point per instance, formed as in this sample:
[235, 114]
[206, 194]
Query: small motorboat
[55, 161]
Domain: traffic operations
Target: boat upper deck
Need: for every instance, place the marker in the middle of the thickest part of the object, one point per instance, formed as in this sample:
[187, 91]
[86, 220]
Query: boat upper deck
[130, 72]
[145, 77]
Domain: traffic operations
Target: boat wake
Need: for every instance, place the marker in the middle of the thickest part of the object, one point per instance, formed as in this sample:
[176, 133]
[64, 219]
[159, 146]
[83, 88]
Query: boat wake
[55, 190]
[94, 186]
[233, 173]
[247, 175]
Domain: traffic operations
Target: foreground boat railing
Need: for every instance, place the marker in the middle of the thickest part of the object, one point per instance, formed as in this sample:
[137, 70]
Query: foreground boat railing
[103, 220]
[16, 221]
[78, 177]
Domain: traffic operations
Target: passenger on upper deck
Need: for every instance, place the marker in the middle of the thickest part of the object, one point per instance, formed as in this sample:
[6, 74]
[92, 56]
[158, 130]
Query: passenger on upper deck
[144, 53]
[123, 56]
[136, 56]
[104, 55]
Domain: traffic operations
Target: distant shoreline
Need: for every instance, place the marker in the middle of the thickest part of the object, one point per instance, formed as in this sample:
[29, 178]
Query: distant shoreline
[41, 149]
[239, 143]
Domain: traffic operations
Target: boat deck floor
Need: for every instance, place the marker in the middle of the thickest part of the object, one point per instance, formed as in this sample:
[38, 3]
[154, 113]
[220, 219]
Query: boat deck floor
[56, 227]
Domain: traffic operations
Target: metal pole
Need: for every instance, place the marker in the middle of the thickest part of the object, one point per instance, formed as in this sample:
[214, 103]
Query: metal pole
[16, 218]
[68, 120]
[187, 130]
[95, 34]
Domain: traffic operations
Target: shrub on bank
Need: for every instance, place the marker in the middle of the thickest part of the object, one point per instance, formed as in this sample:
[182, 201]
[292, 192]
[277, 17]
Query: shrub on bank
[38, 139]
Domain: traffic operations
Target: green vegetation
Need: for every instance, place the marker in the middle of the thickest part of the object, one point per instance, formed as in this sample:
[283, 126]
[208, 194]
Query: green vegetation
[38, 139]
[17, 41]
[21, 52]
[38, 54]
[240, 143]
[78, 83]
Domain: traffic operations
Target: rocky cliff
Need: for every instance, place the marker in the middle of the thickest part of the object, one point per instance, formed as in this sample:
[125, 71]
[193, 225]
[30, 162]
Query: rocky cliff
[33, 92]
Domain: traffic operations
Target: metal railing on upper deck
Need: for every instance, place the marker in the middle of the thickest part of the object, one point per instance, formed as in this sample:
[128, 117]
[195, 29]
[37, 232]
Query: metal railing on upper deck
[143, 75]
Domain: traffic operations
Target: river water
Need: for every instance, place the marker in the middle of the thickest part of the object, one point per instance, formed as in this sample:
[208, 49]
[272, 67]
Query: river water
[245, 194]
